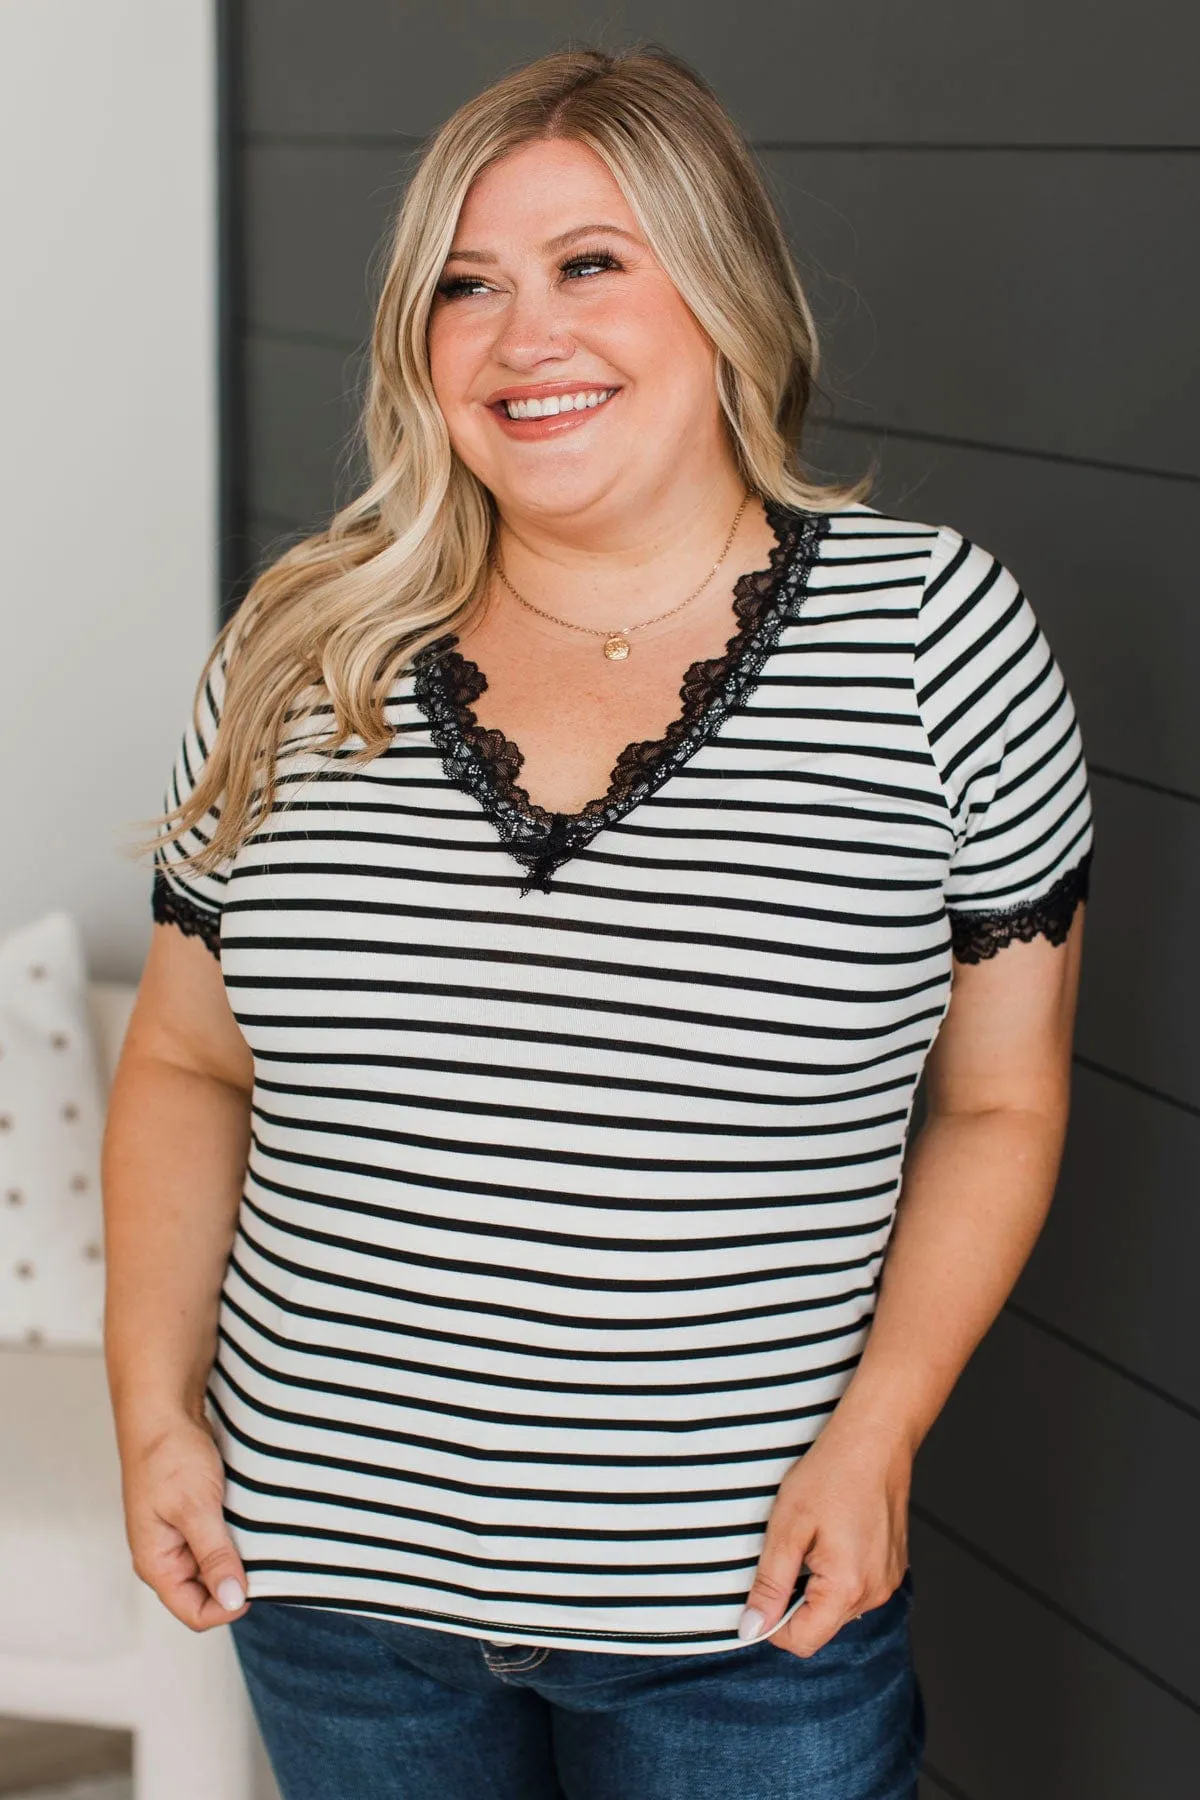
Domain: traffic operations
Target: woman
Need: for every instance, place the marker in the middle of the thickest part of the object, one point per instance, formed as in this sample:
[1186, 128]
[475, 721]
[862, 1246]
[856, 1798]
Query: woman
[605, 827]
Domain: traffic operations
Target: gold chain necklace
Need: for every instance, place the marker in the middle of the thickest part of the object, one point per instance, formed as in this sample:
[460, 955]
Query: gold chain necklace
[616, 643]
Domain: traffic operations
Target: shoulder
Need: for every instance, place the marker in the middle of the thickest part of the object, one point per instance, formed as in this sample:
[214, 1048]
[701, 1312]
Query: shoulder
[871, 533]
[965, 599]
[870, 567]
[939, 555]
[967, 614]
[872, 549]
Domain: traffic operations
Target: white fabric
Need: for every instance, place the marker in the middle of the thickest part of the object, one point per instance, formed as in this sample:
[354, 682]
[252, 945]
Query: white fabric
[51, 1124]
[571, 1178]
[65, 1573]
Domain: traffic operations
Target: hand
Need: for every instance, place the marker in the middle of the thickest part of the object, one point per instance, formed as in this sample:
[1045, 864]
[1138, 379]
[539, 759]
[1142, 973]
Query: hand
[174, 1482]
[842, 1509]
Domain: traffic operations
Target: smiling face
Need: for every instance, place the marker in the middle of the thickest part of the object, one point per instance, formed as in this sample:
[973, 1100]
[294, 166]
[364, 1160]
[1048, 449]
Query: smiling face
[551, 303]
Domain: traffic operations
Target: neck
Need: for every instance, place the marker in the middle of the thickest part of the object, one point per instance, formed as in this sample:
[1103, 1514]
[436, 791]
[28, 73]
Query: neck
[631, 563]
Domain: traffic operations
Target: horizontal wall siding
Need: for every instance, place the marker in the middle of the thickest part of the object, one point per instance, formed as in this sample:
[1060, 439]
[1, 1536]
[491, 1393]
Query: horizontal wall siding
[267, 539]
[1084, 541]
[1055, 1466]
[1115, 1268]
[302, 407]
[994, 209]
[1138, 1004]
[924, 241]
[339, 197]
[954, 283]
[1023, 1704]
[823, 71]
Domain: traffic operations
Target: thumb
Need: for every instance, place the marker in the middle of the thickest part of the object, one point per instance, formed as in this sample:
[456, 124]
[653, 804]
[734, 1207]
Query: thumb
[217, 1562]
[776, 1579]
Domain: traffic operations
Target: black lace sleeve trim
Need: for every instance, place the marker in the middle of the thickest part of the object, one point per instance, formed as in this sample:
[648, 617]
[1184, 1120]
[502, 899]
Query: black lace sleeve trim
[975, 936]
[170, 908]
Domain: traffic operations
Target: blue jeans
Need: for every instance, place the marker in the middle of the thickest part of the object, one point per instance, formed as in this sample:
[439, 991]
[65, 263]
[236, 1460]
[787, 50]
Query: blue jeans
[354, 1707]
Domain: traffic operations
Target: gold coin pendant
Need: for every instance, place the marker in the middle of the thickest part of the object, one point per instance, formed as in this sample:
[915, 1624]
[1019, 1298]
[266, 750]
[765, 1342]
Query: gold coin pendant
[616, 648]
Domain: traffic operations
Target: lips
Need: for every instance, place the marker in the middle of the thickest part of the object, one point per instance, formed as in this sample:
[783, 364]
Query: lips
[542, 390]
[549, 425]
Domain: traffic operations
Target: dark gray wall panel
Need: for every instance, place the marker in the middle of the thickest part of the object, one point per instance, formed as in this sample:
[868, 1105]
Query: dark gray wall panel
[1107, 558]
[267, 539]
[947, 286]
[1014, 315]
[819, 71]
[259, 542]
[1141, 978]
[1108, 562]
[1116, 1264]
[1086, 1484]
[1004, 295]
[302, 406]
[315, 217]
[1023, 1707]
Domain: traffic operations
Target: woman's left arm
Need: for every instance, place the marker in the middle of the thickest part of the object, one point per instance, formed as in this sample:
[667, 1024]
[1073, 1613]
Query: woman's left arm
[978, 1182]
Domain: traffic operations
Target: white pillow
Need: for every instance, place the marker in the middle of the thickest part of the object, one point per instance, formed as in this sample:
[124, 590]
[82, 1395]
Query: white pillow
[51, 1124]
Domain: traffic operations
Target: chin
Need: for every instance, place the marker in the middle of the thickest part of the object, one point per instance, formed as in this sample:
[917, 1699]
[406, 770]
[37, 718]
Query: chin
[552, 492]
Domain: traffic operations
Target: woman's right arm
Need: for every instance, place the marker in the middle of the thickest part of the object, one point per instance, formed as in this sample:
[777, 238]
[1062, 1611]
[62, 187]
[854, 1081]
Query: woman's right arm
[174, 1157]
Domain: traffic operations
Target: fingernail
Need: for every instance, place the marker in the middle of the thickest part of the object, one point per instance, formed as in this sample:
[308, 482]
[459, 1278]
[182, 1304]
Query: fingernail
[230, 1594]
[751, 1622]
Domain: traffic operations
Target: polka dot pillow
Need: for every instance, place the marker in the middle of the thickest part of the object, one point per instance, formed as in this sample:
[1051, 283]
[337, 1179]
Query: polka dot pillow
[51, 1122]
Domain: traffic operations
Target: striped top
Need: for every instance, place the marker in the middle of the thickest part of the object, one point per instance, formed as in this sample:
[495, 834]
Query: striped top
[576, 1139]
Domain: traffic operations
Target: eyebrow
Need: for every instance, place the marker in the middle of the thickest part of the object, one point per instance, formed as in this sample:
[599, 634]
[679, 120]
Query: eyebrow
[551, 244]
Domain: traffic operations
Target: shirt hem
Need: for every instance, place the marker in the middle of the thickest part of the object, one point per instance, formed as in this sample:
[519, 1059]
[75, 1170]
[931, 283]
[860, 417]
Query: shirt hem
[644, 1643]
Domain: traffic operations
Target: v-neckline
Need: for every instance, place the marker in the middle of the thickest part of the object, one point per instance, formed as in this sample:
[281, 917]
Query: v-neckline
[485, 762]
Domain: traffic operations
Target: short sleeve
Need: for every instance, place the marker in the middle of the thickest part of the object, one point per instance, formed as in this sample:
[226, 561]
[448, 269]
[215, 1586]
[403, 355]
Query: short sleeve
[184, 897]
[1005, 739]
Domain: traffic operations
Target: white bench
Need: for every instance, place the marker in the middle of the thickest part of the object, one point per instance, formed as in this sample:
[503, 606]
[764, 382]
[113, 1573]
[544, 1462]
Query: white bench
[82, 1639]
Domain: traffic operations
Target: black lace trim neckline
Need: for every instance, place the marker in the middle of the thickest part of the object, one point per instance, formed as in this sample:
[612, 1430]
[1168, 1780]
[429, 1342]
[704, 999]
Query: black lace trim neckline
[486, 763]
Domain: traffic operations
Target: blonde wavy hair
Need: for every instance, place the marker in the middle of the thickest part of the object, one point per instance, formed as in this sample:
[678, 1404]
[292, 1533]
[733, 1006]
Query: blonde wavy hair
[338, 617]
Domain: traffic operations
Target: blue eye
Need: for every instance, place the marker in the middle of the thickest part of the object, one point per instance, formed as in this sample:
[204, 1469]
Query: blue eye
[593, 258]
[454, 285]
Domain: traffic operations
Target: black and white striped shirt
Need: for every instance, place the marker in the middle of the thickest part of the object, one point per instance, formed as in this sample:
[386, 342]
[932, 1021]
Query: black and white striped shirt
[577, 1140]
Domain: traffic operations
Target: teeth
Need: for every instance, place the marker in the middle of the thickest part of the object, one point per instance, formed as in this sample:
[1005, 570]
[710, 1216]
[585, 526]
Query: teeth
[556, 403]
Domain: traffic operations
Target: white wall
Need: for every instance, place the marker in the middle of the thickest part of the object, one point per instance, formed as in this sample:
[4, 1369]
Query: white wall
[107, 442]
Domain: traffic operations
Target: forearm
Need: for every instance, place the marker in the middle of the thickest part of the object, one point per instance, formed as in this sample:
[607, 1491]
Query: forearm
[976, 1190]
[172, 1172]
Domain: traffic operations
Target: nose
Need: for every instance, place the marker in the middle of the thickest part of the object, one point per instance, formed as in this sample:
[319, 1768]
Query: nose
[533, 330]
